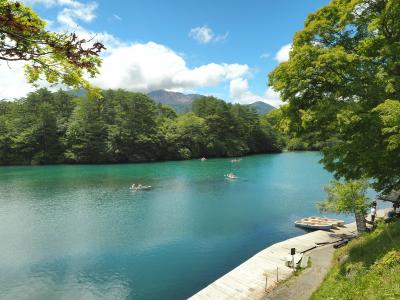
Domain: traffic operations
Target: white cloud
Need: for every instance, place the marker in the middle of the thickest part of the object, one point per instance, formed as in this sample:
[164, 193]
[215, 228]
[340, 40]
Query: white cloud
[46, 3]
[12, 81]
[283, 54]
[205, 35]
[72, 10]
[117, 17]
[135, 67]
[138, 67]
[272, 97]
[265, 55]
[76, 11]
[240, 93]
[152, 66]
[238, 88]
[221, 37]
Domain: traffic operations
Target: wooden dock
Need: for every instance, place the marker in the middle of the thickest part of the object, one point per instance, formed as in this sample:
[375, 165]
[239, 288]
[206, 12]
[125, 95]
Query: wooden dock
[259, 274]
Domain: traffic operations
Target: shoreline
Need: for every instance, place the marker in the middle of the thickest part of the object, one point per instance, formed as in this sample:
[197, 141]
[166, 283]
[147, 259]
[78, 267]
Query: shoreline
[257, 276]
[152, 161]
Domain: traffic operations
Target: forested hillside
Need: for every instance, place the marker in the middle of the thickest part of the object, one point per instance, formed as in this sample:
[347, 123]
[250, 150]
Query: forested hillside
[182, 103]
[58, 127]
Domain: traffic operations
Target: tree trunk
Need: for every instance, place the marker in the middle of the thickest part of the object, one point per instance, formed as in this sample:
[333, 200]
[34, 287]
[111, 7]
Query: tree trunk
[360, 221]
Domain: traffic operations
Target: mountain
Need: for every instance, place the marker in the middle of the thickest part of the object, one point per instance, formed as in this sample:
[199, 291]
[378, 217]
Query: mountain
[182, 103]
[261, 107]
[178, 101]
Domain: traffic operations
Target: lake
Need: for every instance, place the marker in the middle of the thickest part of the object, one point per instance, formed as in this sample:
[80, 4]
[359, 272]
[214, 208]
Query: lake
[79, 232]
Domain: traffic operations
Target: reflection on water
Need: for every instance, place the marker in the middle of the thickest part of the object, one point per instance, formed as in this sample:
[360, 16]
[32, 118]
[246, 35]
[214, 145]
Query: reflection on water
[42, 285]
[79, 232]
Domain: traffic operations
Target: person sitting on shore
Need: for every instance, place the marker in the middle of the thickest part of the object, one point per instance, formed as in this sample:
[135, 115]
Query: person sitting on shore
[396, 210]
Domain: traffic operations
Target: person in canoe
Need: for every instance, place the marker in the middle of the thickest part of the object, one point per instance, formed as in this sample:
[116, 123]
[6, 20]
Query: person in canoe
[139, 186]
[231, 176]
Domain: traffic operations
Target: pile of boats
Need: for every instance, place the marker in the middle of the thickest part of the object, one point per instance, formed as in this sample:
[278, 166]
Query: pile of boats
[319, 223]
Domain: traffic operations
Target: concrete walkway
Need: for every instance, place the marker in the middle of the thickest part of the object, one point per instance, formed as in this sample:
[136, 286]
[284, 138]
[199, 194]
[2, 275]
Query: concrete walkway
[304, 285]
[258, 275]
[256, 278]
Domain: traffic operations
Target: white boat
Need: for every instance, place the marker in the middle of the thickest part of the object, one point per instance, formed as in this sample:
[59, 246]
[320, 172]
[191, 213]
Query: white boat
[313, 225]
[231, 176]
[138, 187]
[203, 159]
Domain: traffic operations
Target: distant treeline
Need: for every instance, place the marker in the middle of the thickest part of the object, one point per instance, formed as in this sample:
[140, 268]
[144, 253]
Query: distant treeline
[58, 127]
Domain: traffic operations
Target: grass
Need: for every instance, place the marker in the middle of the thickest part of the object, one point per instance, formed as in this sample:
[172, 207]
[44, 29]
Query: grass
[366, 268]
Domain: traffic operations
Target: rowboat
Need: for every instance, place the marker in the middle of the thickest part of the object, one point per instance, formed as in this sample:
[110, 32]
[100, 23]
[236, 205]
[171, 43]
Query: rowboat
[138, 187]
[231, 176]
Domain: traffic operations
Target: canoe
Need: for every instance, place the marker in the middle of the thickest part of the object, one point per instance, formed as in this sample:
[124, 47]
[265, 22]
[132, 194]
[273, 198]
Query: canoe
[140, 187]
[231, 176]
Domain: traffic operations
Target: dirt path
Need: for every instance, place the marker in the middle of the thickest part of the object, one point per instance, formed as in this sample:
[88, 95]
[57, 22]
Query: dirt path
[302, 286]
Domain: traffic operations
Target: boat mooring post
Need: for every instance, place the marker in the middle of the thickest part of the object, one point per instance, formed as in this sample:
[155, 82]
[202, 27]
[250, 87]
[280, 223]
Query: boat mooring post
[266, 282]
[293, 252]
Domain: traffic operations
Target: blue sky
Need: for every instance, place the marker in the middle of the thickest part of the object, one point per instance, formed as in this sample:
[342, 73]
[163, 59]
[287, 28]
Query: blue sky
[224, 48]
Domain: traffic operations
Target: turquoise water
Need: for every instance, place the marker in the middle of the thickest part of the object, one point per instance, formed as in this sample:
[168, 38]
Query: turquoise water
[79, 232]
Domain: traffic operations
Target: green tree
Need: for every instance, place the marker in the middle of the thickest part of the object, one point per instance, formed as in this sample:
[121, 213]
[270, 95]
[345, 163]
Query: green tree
[33, 129]
[191, 133]
[221, 139]
[86, 135]
[56, 127]
[57, 57]
[46, 147]
[5, 132]
[342, 66]
[350, 198]
[133, 132]
[288, 136]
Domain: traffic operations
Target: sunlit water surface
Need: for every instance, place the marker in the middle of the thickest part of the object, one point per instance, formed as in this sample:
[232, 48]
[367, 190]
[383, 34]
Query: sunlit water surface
[79, 232]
